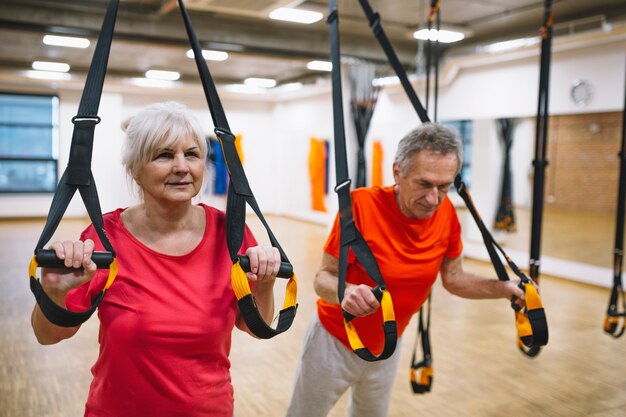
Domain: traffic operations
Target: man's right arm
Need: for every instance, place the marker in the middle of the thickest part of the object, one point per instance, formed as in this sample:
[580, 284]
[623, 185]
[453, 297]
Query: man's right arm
[358, 300]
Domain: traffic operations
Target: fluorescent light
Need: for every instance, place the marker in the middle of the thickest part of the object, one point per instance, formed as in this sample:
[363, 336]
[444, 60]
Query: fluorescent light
[289, 87]
[320, 66]
[162, 75]
[510, 45]
[51, 66]
[68, 41]
[210, 55]
[245, 89]
[154, 83]
[296, 15]
[48, 75]
[444, 36]
[382, 81]
[260, 82]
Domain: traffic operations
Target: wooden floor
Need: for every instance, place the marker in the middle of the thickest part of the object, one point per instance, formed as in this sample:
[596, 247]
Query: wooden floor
[478, 370]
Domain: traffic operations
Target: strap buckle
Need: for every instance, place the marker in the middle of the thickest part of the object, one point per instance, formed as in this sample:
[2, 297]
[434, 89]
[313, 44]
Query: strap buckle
[224, 134]
[343, 185]
[79, 118]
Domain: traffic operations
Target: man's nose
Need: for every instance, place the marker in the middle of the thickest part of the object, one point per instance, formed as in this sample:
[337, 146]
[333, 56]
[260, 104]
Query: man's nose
[432, 197]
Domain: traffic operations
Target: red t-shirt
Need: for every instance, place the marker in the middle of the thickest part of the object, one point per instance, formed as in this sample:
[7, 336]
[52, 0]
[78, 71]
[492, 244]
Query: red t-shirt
[409, 253]
[165, 326]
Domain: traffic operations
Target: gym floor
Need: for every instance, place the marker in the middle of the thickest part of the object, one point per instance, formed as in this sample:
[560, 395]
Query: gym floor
[478, 371]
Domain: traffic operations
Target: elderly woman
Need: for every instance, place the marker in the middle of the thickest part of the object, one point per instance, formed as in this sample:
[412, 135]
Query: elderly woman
[166, 323]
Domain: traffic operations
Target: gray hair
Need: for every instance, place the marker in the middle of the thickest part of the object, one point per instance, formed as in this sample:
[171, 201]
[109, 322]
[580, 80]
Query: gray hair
[158, 125]
[431, 137]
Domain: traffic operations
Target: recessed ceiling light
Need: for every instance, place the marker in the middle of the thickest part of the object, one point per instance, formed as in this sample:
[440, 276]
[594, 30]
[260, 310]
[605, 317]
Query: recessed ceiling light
[51, 66]
[245, 89]
[383, 81]
[290, 87]
[444, 36]
[162, 75]
[296, 15]
[48, 75]
[68, 41]
[320, 65]
[260, 82]
[149, 82]
[210, 55]
[510, 44]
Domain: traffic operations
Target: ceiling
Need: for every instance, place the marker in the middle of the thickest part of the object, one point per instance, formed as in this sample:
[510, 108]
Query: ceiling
[150, 34]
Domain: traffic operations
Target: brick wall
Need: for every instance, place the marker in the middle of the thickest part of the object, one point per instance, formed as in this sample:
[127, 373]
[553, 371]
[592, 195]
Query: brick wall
[583, 168]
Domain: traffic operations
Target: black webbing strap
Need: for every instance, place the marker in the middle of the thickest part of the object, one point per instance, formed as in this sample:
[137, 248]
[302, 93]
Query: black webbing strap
[613, 314]
[434, 16]
[422, 384]
[532, 326]
[541, 142]
[78, 176]
[350, 237]
[239, 193]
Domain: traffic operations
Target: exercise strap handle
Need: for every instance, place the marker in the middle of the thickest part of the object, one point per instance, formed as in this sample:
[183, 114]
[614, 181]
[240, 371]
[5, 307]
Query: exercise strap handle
[423, 383]
[531, 323]
[489, 241]
[239, 193]
[350, 237]
[614, 321]
[78, 176]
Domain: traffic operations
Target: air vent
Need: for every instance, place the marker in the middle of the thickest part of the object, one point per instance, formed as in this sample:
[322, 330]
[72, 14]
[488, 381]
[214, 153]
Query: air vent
[258, 8]
[591, 23]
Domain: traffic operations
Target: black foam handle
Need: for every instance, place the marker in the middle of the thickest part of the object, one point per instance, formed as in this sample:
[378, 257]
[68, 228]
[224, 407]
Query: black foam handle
[285, 270]
[378, 293]
[47, 258]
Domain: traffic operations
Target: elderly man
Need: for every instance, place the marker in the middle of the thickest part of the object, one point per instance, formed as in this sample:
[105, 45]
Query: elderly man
[414, 233]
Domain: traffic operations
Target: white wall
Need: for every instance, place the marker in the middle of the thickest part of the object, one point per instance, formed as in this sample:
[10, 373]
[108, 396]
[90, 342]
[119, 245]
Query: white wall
[276, 130]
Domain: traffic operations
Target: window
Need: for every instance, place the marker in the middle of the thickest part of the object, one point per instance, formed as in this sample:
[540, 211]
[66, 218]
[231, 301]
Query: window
[28, 143]
[464, 129]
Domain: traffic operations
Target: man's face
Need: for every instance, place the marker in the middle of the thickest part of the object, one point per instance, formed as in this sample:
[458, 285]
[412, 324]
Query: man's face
[425, 184]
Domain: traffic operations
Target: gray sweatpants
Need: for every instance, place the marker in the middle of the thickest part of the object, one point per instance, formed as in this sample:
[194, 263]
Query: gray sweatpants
[327, 369]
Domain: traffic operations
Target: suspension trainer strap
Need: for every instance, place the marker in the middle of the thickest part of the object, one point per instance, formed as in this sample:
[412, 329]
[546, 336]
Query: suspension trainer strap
[239, 193]
[434, 16]
[541, 142]
[350, 237]
[423, 383]
[614, 322]
[78, 176]
[531, 323]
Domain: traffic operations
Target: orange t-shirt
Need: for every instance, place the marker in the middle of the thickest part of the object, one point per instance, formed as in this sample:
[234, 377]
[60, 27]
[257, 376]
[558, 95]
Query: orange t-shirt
[409, 253]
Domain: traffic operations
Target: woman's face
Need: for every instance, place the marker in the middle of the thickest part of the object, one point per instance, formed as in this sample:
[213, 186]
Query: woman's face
[174, 174]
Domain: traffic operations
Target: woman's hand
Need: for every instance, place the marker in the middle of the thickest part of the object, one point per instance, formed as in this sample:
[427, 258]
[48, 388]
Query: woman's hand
[80, 268]
[264, 263]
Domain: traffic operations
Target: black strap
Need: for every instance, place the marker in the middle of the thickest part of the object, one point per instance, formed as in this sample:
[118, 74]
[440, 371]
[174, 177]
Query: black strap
[490, 243]
[422, 383]
[614, 322]
[434, 15]
[541, 142]
[350, 237]
[78, 176]
[239, 193]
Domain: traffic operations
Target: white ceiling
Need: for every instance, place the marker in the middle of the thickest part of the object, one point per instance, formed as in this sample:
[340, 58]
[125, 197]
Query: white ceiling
[150, 33]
